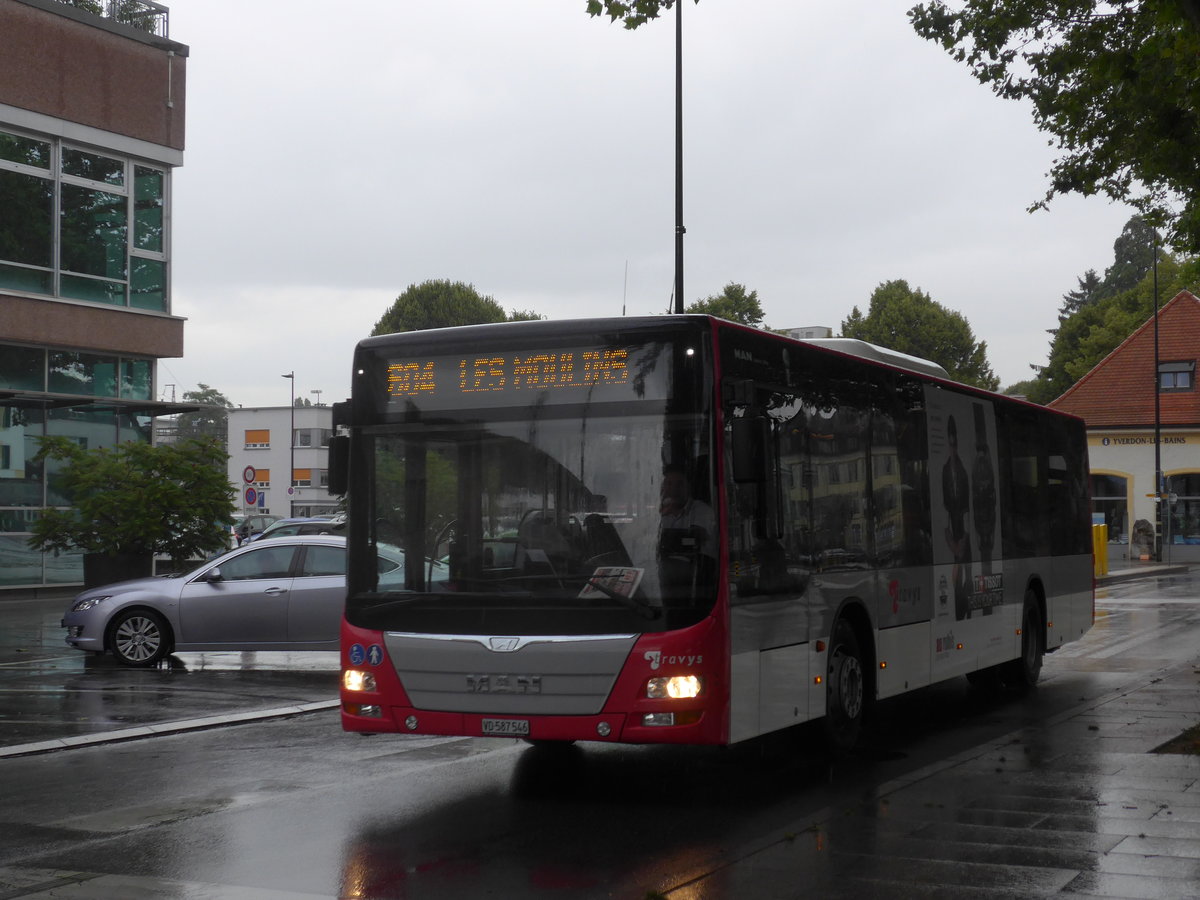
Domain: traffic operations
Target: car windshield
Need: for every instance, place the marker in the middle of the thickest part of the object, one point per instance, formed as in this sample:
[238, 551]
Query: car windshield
[543, 526]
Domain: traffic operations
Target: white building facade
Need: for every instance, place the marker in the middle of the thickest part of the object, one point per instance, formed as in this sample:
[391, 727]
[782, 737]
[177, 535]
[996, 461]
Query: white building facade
[279, 460]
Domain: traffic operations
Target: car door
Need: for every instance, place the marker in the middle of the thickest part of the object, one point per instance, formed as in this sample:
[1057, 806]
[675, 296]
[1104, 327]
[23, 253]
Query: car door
[318, 595]
[246, 606]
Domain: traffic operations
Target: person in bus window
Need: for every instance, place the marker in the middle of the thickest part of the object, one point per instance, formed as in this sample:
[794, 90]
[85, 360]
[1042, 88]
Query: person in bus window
[680, 511]
[956, 497]
[687, 545]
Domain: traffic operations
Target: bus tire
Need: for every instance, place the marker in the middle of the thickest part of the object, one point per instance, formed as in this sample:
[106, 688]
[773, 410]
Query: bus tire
[1023, 672]
[845, 688]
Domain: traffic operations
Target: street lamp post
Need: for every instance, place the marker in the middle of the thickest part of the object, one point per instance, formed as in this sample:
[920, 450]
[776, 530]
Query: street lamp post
[291, 376]
[679, 229]
[318, 393]
[1158, 473]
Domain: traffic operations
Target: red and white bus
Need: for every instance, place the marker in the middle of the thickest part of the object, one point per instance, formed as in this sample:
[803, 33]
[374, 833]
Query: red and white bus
[676, 529]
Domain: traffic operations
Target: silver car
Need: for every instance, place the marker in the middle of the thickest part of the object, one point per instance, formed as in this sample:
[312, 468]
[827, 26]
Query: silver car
[283, 594]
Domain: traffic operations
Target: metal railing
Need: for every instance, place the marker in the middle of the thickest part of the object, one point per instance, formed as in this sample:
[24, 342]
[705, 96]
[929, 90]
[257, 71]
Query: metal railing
[152, 18]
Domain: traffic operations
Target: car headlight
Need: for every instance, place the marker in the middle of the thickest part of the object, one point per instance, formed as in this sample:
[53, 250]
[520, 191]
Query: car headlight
[88, 602]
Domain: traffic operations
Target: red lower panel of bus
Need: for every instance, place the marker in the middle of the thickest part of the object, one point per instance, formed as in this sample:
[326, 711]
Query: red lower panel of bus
[613, 727]
[630, 714]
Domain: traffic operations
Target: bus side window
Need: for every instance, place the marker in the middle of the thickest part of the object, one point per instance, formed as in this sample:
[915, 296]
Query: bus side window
[1025, 532]
[903, 520]
[1067, 491]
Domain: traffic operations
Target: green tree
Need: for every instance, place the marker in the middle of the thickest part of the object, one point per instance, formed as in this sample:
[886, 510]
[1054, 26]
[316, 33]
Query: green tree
[1116, 83]
[1101, 313]
[441, 303]
[911, 322]
[733, 303]
[631, 13]
[137, 499]
[210, 422]
[1087, 293]
[1133, 257]
[524, 315]
[1086, 338]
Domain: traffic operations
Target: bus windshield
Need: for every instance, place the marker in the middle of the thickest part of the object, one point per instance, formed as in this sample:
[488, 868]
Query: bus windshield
[533, 523]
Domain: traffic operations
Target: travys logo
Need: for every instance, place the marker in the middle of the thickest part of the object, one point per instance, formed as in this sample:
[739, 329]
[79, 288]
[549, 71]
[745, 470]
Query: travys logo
[902, 594]
[656, 659]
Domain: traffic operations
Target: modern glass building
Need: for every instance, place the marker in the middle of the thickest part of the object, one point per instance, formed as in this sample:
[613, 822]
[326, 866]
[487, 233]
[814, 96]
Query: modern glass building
[91, 127]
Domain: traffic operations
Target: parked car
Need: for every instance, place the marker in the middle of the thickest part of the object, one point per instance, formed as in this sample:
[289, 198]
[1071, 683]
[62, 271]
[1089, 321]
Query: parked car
[249, 526]
[302, 525]
[281, 594]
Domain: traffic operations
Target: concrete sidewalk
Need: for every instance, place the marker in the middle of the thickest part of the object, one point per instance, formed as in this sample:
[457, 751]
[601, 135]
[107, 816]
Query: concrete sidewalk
[1077, 806]
[1129, 572]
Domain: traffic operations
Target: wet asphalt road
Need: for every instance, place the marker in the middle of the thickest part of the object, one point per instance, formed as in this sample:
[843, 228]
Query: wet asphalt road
[954, 794]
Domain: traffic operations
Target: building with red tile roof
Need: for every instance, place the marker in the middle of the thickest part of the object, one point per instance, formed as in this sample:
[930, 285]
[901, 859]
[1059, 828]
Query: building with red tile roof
[1117, 401]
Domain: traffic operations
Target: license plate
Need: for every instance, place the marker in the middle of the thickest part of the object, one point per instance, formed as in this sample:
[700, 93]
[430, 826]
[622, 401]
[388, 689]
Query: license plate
[506, 726]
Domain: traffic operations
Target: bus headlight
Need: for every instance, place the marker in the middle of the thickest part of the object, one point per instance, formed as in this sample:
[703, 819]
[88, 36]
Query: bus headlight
[674, 687]
[358, 680]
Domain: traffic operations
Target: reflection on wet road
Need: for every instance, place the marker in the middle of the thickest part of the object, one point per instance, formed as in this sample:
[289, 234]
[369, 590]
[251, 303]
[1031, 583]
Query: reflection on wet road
[954, 793]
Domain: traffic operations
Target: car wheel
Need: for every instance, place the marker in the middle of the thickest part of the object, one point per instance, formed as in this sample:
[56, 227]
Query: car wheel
[138, 637]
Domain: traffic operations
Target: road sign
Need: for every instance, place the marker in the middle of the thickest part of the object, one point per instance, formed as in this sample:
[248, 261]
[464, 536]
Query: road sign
[251, 496]
[249, 474]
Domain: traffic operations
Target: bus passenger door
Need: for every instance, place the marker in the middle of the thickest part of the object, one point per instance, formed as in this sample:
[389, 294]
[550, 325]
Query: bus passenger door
[771, 654]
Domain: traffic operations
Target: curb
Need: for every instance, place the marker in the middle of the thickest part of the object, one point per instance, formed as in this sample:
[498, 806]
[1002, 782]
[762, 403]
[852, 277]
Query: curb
[1122, 575]
[163, 728]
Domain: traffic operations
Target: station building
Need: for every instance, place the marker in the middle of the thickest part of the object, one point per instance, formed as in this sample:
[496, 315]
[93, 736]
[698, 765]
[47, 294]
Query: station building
[1117, 400]
[92, 102]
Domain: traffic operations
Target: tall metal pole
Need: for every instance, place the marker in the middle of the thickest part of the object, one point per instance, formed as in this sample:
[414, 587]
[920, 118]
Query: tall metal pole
[1159, 498]
[679, 229]
[291, 482]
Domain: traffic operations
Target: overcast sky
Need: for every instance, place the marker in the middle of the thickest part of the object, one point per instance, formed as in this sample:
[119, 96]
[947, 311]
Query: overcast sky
[339, 153]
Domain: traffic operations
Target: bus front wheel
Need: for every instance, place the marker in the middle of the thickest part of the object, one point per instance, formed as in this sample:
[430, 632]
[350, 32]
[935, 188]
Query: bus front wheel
[1024, 671]
[845, 688]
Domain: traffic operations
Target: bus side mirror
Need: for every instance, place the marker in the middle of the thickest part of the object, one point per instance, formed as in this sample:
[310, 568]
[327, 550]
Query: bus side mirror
[751, 439]
[339, 464]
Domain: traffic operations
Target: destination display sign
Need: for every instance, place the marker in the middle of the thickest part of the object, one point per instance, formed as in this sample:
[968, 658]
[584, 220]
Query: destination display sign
[569, 375]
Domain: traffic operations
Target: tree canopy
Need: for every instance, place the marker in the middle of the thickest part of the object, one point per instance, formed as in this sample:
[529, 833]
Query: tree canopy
[733, 303]
[212, 421]
[1095, 329]
[441, 303]
[1116, 83]
[137, 498]
[631, 13]
[1101, 312]
[911, 322]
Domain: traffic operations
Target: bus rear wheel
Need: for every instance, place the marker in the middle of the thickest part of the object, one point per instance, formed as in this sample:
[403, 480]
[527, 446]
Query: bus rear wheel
[1023, 672]
[845, 689]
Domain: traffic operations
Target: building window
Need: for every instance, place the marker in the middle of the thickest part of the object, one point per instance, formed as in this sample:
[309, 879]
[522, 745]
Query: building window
[72, 372]
[1110, 499]
[1183, 519]
[100, 215]
[302, 477]
[258, 438]
[1176, 376]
